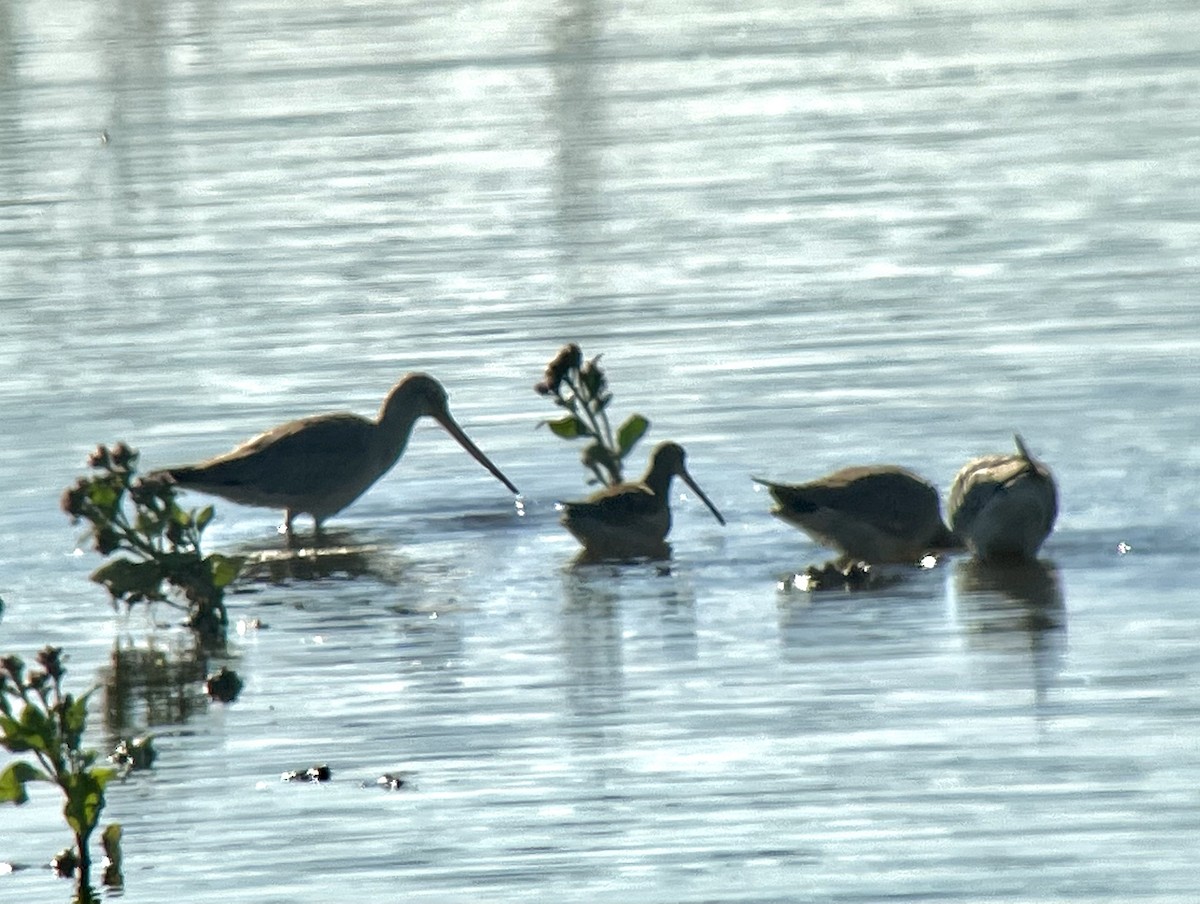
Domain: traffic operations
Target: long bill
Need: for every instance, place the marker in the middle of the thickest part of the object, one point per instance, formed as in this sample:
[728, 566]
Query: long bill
[687, 478]
[463, 440]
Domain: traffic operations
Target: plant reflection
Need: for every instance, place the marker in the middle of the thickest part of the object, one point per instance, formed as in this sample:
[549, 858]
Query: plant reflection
[148, 684]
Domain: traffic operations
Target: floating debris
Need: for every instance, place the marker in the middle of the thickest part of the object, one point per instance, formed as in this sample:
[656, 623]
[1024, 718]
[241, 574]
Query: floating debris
[313, 774]
[836, 576]
[392, 781]
[64, 863]
[134, 753]
[246, 625]
[223, 685]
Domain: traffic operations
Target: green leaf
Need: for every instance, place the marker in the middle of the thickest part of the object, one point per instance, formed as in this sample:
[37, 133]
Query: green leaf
[12, 738]
[204, 516]
[597, 456]
[13, 780]
[36, 729]
[102, 495]
[569, 427]
[631, 431]
[85, 799]
[110, 840]
[225, 569]
[75, 718]
[103, 775]
[134, 581]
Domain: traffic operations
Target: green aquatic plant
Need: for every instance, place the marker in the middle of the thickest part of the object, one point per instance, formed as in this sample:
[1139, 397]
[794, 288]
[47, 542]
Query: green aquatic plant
[581, 389]
[38, 717]
[151, 542]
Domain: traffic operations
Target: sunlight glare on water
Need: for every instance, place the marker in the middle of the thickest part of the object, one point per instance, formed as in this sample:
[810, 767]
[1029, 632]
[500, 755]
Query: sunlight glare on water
[802, 237]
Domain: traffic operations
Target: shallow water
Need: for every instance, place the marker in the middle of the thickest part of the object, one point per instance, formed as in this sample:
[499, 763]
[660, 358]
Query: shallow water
[802, 238]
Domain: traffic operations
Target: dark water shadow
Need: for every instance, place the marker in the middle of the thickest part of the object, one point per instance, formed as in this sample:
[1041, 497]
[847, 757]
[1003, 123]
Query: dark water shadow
[333, 555]
[658, 555]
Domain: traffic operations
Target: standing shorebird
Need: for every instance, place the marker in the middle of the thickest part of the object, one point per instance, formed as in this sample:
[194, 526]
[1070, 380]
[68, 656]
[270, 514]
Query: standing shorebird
[320, 464]
[631, 520]
[875, 514]
[1004, 505]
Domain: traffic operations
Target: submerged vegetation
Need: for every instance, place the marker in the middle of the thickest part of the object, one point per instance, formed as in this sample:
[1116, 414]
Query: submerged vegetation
[151, 542]
[581, 389]
[38, 717]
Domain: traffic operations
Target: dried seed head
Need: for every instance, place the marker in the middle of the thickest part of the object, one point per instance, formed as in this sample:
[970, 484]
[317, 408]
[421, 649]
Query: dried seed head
[569, 358]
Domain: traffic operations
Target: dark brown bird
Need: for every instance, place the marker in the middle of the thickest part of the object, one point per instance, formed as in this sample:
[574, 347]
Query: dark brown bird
[1004, 505]
[632, 520]
[318, 465]
[876, 514]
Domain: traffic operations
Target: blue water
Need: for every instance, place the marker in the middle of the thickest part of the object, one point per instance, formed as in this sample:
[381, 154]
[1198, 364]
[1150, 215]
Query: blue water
[801, 238]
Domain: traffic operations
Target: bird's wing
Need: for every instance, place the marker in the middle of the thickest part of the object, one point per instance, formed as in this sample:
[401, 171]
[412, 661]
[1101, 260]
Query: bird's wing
[977, 483]
[623, 501]
[290, 458]
[886, 498]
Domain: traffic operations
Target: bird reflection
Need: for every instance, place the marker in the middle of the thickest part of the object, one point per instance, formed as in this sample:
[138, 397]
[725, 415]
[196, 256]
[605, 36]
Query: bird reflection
[335, 554]
[594, 635]
[593, 651]
[995, 601]
[1014, 608]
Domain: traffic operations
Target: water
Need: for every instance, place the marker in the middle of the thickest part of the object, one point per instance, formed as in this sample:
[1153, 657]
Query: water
[802, 238]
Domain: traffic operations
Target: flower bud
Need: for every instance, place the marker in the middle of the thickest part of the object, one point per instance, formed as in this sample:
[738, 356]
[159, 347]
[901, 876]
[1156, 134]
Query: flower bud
[50, 658]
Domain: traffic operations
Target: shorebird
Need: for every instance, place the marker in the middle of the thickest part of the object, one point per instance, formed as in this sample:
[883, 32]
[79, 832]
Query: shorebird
[1004, 505]
[318, 465]
[875, 514]
[631, 520]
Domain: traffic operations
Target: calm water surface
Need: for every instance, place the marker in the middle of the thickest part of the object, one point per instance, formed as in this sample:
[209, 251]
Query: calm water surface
[803, 236]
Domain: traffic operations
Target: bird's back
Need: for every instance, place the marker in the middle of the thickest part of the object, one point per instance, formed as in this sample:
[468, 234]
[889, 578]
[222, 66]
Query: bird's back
[1003, 505]
[317, 464]
[627, 519]
[877, 513]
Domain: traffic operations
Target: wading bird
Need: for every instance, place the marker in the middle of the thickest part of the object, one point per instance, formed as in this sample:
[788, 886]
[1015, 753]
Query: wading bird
[631, 520]
[318, 465]
[876, 514]
[1004, 505]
